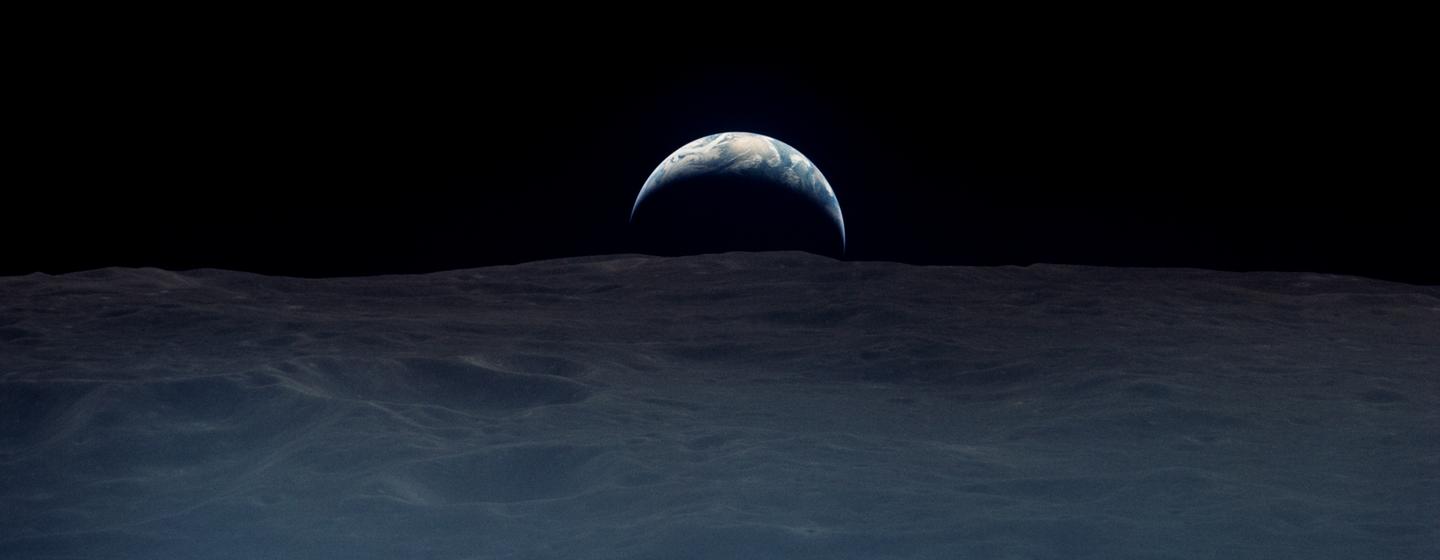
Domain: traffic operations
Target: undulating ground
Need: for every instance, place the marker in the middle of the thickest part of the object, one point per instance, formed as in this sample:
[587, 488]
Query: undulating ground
[741, 405]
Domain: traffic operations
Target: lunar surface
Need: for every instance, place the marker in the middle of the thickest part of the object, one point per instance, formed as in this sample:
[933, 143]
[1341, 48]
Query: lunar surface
[748, 191]
[737, 405]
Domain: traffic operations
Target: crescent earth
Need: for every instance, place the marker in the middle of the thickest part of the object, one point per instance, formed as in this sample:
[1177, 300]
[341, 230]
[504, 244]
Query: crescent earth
[748, 155]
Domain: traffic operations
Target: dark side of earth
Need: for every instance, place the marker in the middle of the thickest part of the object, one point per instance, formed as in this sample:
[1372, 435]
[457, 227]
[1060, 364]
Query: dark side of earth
[745, 405]
[699, 215]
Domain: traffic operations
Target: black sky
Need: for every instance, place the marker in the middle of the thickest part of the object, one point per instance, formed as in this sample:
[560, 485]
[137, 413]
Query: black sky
[342, 161]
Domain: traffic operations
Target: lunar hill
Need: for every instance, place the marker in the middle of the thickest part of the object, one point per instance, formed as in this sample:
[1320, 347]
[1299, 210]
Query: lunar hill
[739, 405]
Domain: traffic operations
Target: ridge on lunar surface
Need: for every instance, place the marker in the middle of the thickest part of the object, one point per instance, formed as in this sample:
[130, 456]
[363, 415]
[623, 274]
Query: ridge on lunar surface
[738, 405]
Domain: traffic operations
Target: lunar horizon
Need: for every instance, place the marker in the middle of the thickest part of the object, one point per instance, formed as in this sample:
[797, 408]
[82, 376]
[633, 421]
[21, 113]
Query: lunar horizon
[736, 405]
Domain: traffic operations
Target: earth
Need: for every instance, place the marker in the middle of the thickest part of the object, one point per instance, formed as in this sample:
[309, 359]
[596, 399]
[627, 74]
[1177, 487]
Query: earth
[744, 155]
